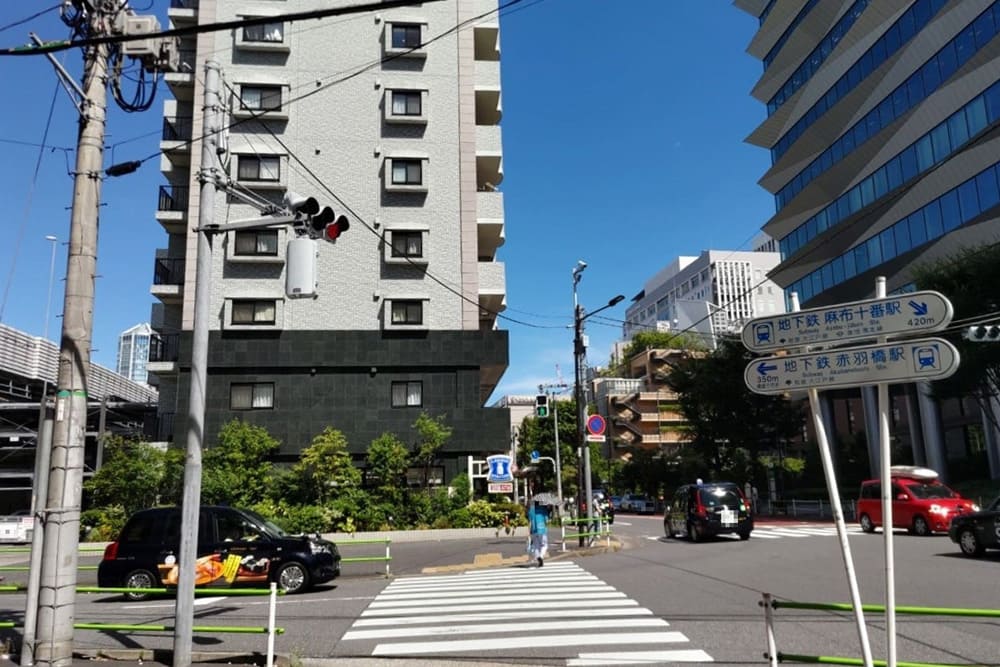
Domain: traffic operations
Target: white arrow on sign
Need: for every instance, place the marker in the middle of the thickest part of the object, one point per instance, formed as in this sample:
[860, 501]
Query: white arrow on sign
[913, 313]
[900, 361]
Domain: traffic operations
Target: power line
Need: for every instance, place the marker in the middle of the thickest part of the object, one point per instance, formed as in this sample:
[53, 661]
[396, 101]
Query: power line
[52, 47]
[30, 18]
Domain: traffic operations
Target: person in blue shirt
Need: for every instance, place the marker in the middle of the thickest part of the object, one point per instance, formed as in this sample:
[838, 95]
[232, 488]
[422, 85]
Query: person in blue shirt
[538, 517]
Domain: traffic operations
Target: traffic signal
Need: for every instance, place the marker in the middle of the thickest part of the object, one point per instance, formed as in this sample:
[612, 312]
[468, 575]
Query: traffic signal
[541, 406]
[982, 333]
[320, 224]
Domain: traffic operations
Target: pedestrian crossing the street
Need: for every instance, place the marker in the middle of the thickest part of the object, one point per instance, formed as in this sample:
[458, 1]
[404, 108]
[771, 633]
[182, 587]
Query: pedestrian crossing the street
[773, 532]
[559, 611]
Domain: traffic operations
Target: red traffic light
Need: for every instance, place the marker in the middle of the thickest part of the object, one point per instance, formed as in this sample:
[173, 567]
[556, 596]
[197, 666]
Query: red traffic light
[333, 231]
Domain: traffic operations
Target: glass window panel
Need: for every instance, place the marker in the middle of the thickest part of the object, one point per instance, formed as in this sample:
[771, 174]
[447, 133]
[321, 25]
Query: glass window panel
[894, 174]
[881, 185]
[939, 139]
[957, 131]
[265, 32]
[243, 312]
[838, 270]
[992, 96]
[414, 393]
[924, 153]
[848, 141]
[267, 242]
[902, 233]
[965, 46]
[811, 228]
[827, 274]
[817, 283]
[975, 115]
[900, 102]
[986, 184]
[240, 396]
[873, 123]
[885, 116]
[246, 243]
[947, 61]
[405, 36]
[908, 163]
[931, 74]
[398, 394]
[968, 200]
[854, 199]
[264, 312]
[263, 395]
[918, 230]
[874, 251]
[892, 39]
[983, 29]
[887, 244]
[850, 270]
[906, 27]
[932, 218]
[269, 168]
[250, 97]
[867, 191]
[915, 88]
[951, 213]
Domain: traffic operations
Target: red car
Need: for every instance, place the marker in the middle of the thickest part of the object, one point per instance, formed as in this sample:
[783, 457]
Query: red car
[920, 502]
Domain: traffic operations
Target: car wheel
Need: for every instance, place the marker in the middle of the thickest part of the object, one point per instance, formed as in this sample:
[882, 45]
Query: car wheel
[292, 577]
[140, 579]
[920, 526]
[692, 533]
[744, 534]
[969, 543]
[867, 524]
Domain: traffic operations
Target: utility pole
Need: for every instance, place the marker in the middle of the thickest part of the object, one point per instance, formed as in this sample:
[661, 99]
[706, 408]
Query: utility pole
[191, 500]
[61, 513]
[547, 388]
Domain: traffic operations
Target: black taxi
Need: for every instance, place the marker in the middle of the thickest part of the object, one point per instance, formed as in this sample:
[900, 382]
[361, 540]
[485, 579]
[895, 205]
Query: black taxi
[977, 531]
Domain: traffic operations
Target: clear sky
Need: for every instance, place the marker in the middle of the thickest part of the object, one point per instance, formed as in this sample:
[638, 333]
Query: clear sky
[623, 127]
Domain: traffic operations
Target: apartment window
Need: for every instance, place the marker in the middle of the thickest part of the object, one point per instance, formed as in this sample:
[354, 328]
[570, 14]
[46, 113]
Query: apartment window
[407, 103]
[251, 396]
[407, 394]
[260, 98]
[256, 311]
[407, 312]
[405, 35]
[407, 244]
[256, 243]
[273, 33]
[258, 168]
[407, 172]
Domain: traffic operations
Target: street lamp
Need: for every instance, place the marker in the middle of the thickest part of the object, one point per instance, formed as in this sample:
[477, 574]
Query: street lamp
[52, 267]
[579, 352]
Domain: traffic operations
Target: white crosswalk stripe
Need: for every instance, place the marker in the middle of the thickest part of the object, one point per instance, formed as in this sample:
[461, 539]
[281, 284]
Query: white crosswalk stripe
[772, 532]
[560, 610]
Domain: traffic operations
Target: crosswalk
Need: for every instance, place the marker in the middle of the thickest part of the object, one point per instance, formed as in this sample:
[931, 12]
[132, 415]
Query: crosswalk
[779, 532]
[559, 611]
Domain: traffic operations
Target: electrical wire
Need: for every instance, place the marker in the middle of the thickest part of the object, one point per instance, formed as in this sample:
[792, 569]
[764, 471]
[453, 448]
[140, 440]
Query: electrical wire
[29, 18]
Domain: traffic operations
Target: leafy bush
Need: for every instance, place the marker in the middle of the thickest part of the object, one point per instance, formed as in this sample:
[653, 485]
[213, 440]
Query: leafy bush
[102, 524]
[478, 514]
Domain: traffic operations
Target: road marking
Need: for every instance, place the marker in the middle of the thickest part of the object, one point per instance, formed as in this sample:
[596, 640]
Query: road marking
[494, 590]
[526, 597]
[620, 613]
[531, 641]
[493, 573]
[499, 628]
[638, 658]
[499, 605]
[198, 602]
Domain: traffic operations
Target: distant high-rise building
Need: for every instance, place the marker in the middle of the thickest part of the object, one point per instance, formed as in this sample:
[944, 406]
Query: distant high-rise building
[706, 295]
[408, 145]
[133, 352]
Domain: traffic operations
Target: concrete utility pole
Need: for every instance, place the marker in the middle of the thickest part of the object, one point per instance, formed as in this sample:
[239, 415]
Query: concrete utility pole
[61, 513]
[191, 503]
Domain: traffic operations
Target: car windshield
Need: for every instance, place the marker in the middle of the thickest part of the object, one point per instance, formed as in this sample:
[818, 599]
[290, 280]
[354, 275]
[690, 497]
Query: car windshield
[715, 496]
[930, 491]
[266, 526]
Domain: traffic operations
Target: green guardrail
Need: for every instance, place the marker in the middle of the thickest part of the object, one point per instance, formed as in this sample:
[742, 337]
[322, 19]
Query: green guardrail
[387, 558]
[880, 609]
[14, 588]
[21, 550]
[25, 568]
[836, 660]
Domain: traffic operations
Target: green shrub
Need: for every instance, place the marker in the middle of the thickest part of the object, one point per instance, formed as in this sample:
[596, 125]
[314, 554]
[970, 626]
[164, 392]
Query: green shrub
[102, 524]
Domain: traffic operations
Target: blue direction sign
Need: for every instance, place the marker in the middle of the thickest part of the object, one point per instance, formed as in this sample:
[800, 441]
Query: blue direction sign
[913, 313]
[901, 361]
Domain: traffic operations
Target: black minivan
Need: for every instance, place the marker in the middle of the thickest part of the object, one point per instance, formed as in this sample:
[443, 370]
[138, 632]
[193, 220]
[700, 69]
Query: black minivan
[235, 546]
[706, 510]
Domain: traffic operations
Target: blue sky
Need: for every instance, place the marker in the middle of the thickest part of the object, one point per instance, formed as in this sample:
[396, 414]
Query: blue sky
[623, 134]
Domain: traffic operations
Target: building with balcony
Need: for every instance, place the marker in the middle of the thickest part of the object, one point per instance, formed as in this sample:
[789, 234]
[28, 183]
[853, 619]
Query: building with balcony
[882, 124]
[405, 316]
[713, 293]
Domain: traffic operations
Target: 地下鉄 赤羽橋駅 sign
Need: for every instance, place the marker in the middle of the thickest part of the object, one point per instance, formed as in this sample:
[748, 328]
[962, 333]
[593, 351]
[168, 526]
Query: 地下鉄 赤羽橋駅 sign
[902, 314]
[900, 361]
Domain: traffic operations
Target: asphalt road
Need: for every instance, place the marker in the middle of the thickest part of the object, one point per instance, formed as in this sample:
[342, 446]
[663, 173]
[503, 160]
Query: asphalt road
[673, 601]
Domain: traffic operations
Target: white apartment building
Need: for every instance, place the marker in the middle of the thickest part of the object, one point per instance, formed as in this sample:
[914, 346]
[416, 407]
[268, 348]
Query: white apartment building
[707, 295]
[403, 129]
[133, 352]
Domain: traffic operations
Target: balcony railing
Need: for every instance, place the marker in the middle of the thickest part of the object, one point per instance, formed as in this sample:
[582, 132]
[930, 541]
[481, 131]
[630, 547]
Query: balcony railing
[177, 129]
[173, 197]
[168, 271]
[164, 347]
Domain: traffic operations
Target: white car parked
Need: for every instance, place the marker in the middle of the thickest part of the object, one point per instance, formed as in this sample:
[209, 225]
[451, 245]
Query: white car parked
[638, 503]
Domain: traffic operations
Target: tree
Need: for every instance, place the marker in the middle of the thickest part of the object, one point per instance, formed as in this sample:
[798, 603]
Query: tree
[724, 416]
[433, 434]
[325, 466]
[388, 460]
[237, 469]
[132, 476]
[539, 435]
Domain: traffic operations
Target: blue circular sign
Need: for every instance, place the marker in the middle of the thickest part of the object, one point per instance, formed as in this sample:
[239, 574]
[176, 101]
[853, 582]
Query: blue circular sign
[596, 425]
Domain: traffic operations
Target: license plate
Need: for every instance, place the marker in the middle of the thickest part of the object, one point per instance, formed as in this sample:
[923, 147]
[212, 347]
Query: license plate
[728, 517]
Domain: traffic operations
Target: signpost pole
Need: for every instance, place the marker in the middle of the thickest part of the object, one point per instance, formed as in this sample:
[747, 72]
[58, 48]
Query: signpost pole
[838, 514]
[887, 497]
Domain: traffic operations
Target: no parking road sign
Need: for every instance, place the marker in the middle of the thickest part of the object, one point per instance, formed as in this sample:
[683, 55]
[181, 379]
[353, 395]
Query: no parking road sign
[595, 428]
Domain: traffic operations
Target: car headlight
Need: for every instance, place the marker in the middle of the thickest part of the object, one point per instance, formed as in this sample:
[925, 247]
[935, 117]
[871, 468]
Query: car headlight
[318, 547]
[938, 509]
[975, 507]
